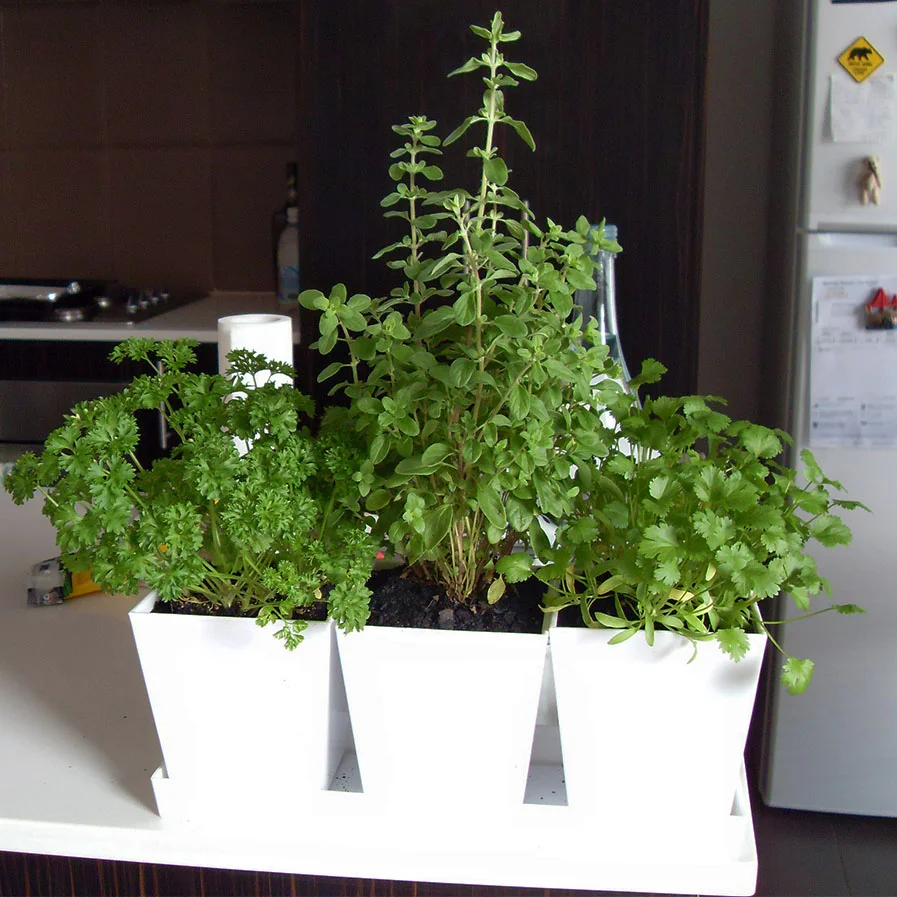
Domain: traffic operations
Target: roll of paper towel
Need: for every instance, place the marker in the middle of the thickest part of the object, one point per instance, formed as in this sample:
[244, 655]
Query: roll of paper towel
[270, 335]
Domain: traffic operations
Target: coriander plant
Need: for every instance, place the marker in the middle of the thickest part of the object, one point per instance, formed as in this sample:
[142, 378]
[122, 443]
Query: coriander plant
[471, 383]
[688, 523]
[270, 529]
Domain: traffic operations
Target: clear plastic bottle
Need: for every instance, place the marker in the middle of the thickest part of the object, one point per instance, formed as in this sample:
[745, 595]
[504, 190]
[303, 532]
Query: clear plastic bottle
[288, 259]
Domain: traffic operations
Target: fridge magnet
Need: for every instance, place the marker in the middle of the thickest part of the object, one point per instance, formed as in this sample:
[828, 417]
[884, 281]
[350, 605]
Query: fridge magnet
[881, 311]
[861, 59]
[871, 183]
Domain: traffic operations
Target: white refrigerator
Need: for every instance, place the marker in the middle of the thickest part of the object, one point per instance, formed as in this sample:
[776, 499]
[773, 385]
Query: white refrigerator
[834, 748]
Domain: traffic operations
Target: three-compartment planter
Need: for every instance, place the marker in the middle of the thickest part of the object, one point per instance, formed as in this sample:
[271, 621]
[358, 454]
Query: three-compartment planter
[448, 729]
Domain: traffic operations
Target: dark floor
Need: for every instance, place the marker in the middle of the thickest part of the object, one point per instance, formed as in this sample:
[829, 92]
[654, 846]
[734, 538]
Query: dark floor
[805, 854]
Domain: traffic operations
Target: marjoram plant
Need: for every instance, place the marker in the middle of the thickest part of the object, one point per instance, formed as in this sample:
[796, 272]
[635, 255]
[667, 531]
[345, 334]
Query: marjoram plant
[471, 383]
[689, 523]
[248, 510]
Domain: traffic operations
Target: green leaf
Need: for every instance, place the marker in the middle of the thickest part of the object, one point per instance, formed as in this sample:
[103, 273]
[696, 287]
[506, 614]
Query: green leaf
[313, 299]
[733, 642]
[812, 470]
[521, 70]
[330, 370]
[519, 402]
[471, 65]
[379, 448]
[352, 319]
[438, 523]
[326, 343]
[611, 584]
[435, 454]
[511, 326]
[465, 309]
[796, 675]
[848, 609]
[462, 128]
[496, 170]
[434, 321]
[831, 530]
[520, 514]
[523, 132]
[539, 541]
[515, 567]
[580, 281]
[461, 371]
[408, 426]
[490, 504]
[660, 541]
[496, 590]
[610, 622]
[378, 499]
[761, 441]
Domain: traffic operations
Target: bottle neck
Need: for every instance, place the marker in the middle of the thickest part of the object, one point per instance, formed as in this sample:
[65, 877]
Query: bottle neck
[292, 215]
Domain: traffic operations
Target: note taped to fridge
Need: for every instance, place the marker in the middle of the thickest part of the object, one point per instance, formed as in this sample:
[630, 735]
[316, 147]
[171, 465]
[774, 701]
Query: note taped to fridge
[853, 371]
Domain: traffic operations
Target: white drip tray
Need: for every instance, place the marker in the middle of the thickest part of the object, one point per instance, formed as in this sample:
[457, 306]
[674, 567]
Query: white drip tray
[542, 843]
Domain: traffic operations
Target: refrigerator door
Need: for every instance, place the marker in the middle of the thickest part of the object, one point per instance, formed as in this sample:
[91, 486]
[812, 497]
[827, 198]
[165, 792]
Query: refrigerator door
[833, 170]
[834, 748]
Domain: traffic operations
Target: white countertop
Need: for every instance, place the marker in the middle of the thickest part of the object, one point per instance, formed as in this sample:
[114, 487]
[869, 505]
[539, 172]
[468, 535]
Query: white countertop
[78, 746]
[196, 320]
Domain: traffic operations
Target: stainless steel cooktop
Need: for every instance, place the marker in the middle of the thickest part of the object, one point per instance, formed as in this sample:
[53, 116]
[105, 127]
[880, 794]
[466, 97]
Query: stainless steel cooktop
[73, 301]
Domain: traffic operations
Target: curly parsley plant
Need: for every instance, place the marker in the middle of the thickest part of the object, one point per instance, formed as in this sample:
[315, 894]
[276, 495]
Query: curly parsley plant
[270, 529]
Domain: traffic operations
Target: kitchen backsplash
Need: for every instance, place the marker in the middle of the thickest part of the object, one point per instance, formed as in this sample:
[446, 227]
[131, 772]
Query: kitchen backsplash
[146, 141]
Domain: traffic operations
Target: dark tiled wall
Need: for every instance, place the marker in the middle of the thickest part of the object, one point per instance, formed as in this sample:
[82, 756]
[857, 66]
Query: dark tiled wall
[145, 141]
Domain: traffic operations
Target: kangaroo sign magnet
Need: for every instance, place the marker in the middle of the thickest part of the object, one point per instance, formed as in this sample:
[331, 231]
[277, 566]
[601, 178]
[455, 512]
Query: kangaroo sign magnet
[861, 59]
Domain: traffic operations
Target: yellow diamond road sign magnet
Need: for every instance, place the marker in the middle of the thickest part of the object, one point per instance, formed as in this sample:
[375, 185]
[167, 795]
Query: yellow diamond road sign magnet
[861, 59]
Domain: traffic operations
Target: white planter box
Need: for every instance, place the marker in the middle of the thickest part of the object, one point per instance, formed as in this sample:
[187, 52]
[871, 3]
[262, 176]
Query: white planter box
[443, 716]
[644, 731]
[232, 705]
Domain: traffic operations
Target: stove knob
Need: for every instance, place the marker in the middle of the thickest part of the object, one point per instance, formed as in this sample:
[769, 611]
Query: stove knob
[131, 306]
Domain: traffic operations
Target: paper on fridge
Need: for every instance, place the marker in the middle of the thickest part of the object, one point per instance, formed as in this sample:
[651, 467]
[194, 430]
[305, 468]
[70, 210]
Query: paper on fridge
[853, 371]
[864, 112]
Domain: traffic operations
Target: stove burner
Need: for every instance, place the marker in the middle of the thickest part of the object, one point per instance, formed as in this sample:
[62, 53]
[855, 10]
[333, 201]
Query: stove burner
[69, 315]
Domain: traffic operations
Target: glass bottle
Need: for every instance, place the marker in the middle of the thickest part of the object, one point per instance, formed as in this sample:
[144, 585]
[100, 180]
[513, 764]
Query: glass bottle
[601, 303]
[286, 242]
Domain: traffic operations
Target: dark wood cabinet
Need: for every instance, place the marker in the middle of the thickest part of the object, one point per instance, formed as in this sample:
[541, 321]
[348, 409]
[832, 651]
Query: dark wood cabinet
[617, 114]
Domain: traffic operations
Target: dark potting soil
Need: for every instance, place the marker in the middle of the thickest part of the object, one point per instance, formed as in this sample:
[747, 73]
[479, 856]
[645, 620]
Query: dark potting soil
[400, 601]
[314, 612]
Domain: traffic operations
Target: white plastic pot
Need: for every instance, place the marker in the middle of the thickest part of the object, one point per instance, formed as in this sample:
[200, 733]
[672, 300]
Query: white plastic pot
[643, 730]
[232, 705]
[443, 717]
